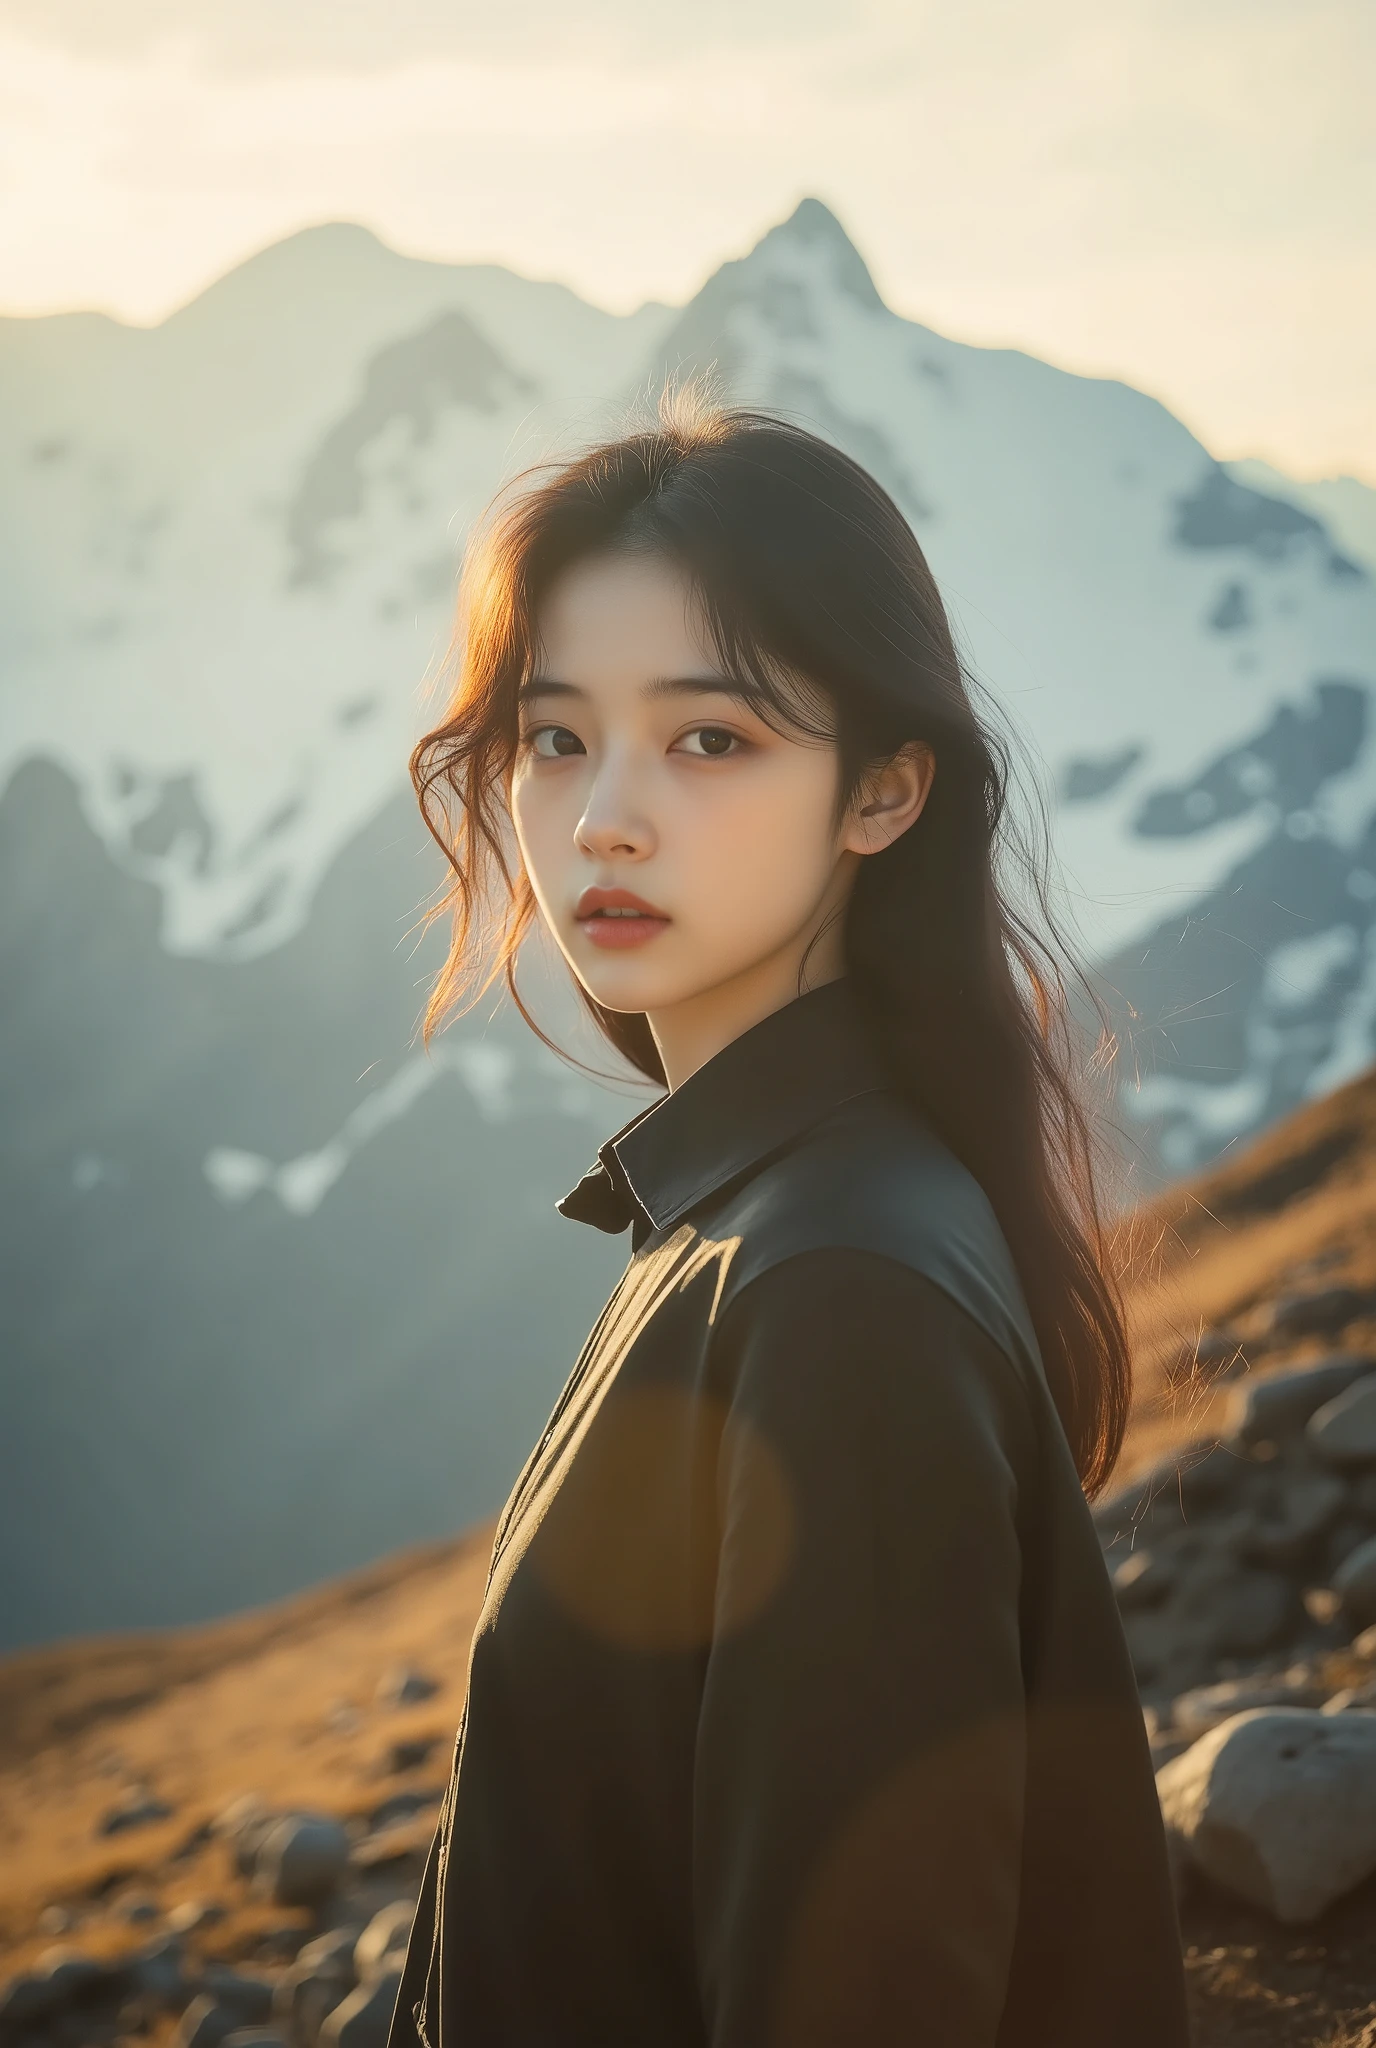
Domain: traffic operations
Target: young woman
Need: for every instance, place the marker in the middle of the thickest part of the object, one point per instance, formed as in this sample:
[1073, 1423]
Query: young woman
[799, 1710]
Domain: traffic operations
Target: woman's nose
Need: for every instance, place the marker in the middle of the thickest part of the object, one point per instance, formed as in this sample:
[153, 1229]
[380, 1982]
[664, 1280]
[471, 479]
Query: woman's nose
[614, 820]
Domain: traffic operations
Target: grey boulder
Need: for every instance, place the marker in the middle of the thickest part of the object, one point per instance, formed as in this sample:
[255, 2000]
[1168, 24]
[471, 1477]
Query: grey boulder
[1343, 1430]
[301, 1859]
[1277, 1806]
[1279, 1404]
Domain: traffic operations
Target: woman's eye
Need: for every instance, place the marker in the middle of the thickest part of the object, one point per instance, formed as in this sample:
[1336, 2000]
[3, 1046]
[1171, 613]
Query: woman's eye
[557, 734]
[717, 741]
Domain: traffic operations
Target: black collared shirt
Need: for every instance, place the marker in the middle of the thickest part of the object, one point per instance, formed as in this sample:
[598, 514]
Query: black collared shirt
[800, 1713]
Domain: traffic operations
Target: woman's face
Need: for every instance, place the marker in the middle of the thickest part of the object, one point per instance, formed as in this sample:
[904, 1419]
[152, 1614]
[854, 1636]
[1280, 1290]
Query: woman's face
[641, 777]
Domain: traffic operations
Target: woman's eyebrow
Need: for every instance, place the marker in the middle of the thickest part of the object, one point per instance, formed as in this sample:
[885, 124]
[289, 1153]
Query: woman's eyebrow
[698, 686]
[658, 686]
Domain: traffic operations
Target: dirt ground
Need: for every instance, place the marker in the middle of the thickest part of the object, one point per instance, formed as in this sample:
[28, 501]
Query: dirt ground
[1254, 1986]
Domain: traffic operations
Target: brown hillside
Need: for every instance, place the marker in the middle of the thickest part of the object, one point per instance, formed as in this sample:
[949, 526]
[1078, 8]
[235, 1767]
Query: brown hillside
[1295, 1211]
[284, 1702]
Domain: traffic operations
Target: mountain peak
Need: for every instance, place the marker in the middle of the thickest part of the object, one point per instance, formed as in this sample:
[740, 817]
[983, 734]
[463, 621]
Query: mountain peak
[813, 225]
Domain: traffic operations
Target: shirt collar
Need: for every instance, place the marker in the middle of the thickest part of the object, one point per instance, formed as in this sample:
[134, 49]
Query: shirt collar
[761, 1090]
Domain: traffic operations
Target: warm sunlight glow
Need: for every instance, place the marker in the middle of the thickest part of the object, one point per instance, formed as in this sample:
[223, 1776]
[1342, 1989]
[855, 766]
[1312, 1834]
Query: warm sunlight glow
[1171, 194]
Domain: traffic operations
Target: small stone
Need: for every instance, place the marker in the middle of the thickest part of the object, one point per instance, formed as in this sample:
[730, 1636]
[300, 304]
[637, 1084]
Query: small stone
[1278, 1807]
[247, 1999]
[1204, 1480]
[1343, 1430]
[1279, 1404]
[71, 1973]
[387, 1931]
[1172, 1488]
[1343, 1538]
[190, 1914]
[191, 1843]
[408, 1755]
[301, 1859]
[320, 1979]
[365, 2017]
[335, 1948]
[401, 1806]
[403, 1686]
[157, 1971]
[1206, 1707]
[1324, 1313]
[36, 1999]
[281, 1943]
[137, 1906]
[242, 1826]
[1355, 1583]
[26, 2001]
[1255, 1611]
[204, 2024]
[1308, 1503]
[1143, 1578]
[139, 1810]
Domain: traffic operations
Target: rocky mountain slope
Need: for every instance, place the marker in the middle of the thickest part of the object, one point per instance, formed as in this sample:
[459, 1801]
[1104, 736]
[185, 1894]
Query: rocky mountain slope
[266, 1286]
[197, 1826]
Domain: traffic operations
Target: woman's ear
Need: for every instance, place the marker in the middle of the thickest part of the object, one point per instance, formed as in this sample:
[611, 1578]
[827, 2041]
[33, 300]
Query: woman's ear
[890, 799]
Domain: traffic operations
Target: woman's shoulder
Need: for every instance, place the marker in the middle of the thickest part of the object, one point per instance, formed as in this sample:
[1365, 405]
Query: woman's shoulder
[874, 1178]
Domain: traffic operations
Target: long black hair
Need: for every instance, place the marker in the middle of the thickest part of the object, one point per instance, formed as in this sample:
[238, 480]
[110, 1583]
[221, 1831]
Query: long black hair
[817, 593]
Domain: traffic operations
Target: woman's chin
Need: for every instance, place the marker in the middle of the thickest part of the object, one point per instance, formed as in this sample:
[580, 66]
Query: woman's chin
[626, 990]
[622, 982]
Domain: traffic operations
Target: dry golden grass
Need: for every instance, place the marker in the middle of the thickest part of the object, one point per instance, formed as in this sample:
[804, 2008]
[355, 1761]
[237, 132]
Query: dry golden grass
[203, 1715]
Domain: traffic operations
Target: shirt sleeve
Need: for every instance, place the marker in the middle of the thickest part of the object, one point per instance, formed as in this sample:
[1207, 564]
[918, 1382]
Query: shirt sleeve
[859, 1771]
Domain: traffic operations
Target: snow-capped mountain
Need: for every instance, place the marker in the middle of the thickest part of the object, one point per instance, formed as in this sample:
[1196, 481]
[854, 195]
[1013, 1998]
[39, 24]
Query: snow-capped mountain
[1344, 504]
[270, 1290]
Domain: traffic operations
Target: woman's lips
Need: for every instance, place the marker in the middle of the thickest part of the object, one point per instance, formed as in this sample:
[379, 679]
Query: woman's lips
[616, 929]
[618, 917]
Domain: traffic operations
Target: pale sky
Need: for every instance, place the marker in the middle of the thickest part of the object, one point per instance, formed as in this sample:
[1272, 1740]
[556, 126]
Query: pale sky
[1181, 193]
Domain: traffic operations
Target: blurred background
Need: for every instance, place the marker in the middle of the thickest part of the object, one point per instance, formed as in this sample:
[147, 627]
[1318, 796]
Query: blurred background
[288, 290]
